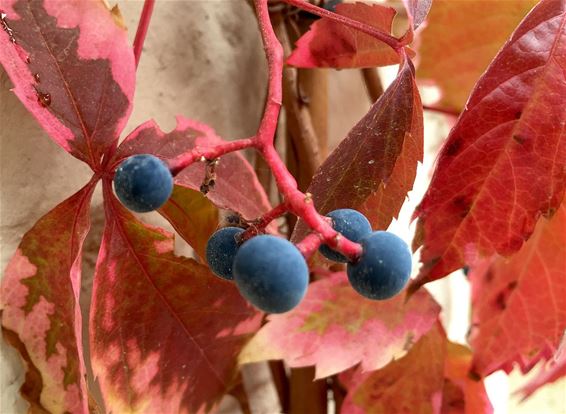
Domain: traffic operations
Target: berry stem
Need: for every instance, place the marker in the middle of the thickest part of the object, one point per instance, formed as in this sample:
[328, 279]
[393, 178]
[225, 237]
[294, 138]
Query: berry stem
[142, 29]
[208, 153]
[309, 245]
[258, 226]
[392, 41]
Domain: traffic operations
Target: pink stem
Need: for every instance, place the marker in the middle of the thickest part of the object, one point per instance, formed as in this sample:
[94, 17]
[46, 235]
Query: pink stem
[296, 201]
[208, 153]
[309, 245]
[354, 24]
[142, 29]
[274, 53]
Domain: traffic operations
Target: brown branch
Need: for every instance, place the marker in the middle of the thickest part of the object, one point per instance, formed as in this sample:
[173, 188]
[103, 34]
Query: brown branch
[281, 382]
[373, 83]
[239, 393]
[307, 395]
[299, 120]
[338, 392]
[449, 112]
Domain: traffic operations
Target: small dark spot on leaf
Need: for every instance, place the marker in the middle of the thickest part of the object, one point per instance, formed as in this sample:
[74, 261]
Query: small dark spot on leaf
[549, 212]
[501, 301]
[518, 114]
[474, 376]
[44, 99]
[533, 352]
[463, 205]
[453, 147]
[519, 139]
[488, 276]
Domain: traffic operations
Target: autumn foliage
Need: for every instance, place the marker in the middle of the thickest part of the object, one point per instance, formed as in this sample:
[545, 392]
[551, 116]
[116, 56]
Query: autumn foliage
[165, 335]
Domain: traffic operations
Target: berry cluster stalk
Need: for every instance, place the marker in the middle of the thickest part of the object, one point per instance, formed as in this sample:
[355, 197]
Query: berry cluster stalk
[294, 200]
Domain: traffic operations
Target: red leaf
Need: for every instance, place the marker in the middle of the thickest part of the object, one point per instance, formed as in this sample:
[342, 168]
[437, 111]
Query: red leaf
[412, 384]
[417, 11]
[40, 296]
[193, 216]
[503, 164]
[73, 69]
[431, 378]
[375, 166]
[551, 373]
[165, 331]
[462, 393]
[237, 187]
[331, 44]
[460, 40]
[334, 328]
[519, 304]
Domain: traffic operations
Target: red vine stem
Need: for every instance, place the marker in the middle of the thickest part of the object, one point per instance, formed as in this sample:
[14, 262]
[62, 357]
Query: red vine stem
[392, 41]
[296, 201]
[208, 153]
[309, 245]
[142, 29]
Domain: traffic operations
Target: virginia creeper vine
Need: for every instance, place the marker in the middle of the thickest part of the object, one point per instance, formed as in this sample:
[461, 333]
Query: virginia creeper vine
[295, 201]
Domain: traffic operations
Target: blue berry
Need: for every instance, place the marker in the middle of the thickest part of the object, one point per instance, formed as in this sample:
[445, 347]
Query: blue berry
[221, 250]
[143, 183]
[384, 267]
[271, 273]
[351, 224]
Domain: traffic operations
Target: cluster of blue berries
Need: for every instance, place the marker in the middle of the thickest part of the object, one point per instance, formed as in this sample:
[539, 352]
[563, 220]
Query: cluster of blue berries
[270, 272]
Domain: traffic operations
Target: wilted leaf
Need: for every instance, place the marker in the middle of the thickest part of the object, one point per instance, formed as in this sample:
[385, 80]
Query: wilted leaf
[460, 40]
[192, 215]
[334, 328]
[73, 68]
[519, 304]
[553, 371]
[431, 378]
[40, 296]
[237, 187]
[417, 11]
[503, 164]
[165, 332]
[374, 167]
[332, 44]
